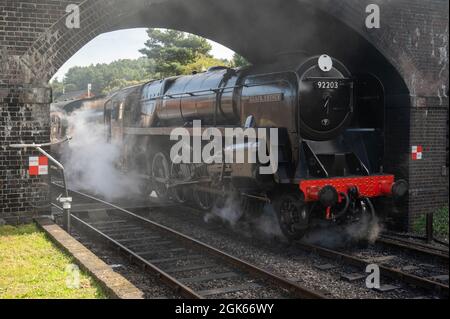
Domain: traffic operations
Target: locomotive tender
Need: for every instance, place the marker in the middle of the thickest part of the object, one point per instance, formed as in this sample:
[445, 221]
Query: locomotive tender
[331, 135]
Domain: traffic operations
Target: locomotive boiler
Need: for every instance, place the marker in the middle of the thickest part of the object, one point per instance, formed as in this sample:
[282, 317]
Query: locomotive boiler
[330, 126]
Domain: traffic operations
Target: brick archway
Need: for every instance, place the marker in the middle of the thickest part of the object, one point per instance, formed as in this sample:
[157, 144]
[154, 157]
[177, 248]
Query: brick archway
[407, 53]
[258, 24]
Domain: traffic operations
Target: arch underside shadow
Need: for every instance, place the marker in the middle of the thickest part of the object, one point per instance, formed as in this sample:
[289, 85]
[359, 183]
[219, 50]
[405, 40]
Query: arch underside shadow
[257, 29]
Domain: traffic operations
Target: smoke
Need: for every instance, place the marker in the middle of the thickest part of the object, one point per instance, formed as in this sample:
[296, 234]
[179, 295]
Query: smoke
[91, 162]
[267, 223]
[367, 229]
[263, 224]
[230, 213]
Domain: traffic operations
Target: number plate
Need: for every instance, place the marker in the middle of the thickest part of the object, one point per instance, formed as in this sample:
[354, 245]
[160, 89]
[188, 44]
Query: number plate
[327, 85]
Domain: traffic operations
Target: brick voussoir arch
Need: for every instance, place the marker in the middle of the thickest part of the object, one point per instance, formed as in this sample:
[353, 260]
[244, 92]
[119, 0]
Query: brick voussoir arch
[56, 45]
[59, 43]
[353, 14]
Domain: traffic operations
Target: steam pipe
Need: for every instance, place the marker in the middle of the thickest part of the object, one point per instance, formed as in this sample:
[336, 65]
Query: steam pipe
[54, 161]
[66, 139]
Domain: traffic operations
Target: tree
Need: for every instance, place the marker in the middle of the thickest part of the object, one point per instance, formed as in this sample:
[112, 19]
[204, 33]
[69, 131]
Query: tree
[202, 64]
[239, 61]
[119, 84]
[57, 88]
[172, 50]
[105, 78]
[167, 53]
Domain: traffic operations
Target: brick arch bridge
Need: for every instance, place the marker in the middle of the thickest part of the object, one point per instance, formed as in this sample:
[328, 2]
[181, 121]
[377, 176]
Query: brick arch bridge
[409, 53]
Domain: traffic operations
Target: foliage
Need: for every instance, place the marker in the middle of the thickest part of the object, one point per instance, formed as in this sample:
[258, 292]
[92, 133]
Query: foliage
[239, 61]
[105, 78]
[203, 63]
[440, 223]
[57, 88]
[118, 84]
[31, 267]
[173, 50]
[167, 53]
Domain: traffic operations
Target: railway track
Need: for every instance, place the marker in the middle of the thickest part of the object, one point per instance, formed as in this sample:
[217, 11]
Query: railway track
[413, 276]
[420, 275]
[410, 275]
[194, 269]
[415, 247]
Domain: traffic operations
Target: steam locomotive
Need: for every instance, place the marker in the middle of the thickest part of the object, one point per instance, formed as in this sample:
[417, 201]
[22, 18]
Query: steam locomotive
[330, 131]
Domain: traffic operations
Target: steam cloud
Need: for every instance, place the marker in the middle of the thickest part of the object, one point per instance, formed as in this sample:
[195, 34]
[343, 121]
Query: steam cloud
[231, 213]
[366, 229]
[90, 161]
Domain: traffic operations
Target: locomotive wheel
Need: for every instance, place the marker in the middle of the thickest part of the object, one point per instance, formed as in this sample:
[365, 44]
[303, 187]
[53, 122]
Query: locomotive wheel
[145, 185]
[161, 175]
[293, 216]
[204, 200]
[180, 173]
[180, 194]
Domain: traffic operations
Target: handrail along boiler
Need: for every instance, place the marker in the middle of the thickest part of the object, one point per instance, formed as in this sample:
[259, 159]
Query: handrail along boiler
[330, 129]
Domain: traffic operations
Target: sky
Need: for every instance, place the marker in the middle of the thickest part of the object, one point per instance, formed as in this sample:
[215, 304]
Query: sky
[123, 44]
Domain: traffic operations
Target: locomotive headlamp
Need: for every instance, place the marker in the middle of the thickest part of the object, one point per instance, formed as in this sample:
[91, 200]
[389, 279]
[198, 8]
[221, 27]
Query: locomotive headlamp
[328, 196]
[325, 63]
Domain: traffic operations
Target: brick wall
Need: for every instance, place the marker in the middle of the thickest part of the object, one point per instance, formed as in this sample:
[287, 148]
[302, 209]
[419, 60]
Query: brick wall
[429, 176]
[22, 120]
[24, 107]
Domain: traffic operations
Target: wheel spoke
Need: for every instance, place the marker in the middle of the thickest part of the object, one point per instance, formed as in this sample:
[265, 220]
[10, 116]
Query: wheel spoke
[290, 211]
[160, 174]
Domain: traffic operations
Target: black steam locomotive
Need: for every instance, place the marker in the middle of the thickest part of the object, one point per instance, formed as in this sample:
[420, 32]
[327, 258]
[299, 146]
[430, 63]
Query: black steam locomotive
[330, 130]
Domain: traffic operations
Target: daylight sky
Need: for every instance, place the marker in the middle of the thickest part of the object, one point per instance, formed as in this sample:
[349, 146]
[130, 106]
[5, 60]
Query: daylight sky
[123, 44]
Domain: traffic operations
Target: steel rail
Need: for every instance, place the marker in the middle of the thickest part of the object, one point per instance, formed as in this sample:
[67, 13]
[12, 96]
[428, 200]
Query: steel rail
[419, 249]
[293, 287]
[166, 278]
[389, 272]
[416, 244]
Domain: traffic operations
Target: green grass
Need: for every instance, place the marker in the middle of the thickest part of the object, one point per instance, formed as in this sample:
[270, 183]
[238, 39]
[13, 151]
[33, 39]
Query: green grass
[31, 267]
[440, 223]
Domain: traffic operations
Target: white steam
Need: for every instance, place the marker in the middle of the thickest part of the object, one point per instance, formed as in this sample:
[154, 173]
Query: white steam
[91, 162]
[268, 223]
[230, 213]
[366, 229]
[264, 222]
